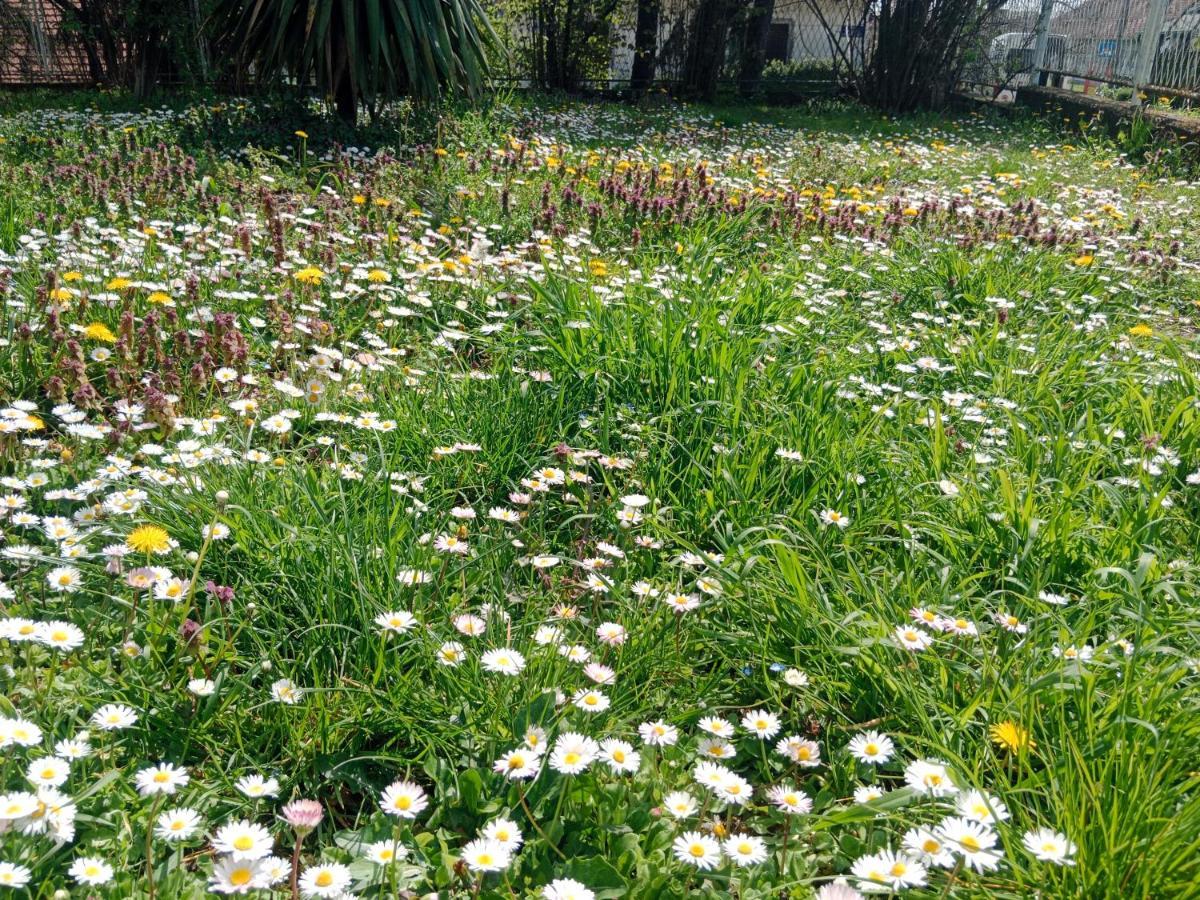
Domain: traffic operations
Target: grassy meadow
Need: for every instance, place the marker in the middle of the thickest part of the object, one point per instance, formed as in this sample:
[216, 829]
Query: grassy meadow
[571, 501]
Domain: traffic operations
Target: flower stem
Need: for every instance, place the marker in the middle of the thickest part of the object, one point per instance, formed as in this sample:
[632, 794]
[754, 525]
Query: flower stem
[538, 828]
[150, 847]
[295, 880]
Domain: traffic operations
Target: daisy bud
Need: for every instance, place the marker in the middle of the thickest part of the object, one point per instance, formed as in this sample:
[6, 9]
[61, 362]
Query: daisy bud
[303, 815]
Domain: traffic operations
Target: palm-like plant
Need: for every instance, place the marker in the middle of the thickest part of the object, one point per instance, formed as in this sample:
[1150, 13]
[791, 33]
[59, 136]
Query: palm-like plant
[360, 49]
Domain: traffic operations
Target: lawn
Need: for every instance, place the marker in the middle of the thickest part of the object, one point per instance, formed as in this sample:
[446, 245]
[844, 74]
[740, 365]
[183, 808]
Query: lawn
[570, 501]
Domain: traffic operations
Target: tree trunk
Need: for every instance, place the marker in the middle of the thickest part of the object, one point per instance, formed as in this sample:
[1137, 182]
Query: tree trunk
[754, 47]
[145, 63]
[95, 67]
[552, 56]
[645, 47]
[706, 49]
[96, 38]
[200, 39]
[345, 100]
[341, 74]
[568, 79]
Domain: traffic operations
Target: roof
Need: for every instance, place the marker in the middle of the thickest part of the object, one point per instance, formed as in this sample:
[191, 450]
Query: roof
[1103, 19]
[35, 47]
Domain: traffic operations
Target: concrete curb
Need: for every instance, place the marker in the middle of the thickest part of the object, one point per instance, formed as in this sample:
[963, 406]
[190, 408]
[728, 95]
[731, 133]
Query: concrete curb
[1114, 113]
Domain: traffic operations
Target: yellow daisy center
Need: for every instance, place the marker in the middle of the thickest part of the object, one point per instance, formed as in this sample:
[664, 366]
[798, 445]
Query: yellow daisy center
[240, 876]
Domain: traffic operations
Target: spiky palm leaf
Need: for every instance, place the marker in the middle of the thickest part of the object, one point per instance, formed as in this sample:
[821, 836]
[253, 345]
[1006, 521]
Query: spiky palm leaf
[369, 49]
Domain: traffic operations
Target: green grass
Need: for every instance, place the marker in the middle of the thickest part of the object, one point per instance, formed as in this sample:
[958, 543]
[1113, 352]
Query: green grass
[934, 315]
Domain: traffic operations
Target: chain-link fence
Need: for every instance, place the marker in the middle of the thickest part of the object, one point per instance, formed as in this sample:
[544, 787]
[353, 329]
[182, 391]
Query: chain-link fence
[1001, 58]
[812, 40]
[805, 41]
[1089, 46]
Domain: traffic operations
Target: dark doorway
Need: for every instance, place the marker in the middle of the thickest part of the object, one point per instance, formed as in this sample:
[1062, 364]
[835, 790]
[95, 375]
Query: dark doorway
[778, 38]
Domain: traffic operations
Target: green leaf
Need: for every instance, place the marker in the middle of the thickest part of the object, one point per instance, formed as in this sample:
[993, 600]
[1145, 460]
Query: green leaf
[599, 875]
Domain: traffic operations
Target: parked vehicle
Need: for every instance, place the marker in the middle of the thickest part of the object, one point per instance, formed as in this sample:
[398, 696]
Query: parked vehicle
[1013, 54]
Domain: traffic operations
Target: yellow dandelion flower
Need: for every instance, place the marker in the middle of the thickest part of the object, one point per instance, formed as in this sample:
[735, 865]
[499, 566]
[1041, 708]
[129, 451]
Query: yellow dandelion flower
[1084, 259]
[98, 331]
[310, 275]
[358, 199]
[1012, 737]
[118, 284]
[158, 298]
[378, 276]
[61, 295]
[72, 276]
[148, 539]
[1141, 330]
[303, 135]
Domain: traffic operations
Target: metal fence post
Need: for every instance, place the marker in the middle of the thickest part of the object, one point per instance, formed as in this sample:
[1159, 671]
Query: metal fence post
[1148, 44]
[1041, 43]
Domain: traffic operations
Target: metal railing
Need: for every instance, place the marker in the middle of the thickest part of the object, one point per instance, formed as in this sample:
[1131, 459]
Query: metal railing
[1091, 46]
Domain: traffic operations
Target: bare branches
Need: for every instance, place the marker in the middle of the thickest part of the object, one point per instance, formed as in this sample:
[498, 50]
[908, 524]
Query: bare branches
[912, 50]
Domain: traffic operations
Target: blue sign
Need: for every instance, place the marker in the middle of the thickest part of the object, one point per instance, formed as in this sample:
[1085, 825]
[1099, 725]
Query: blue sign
[1106, 49]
